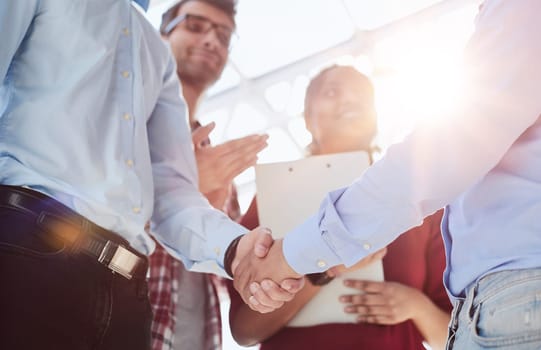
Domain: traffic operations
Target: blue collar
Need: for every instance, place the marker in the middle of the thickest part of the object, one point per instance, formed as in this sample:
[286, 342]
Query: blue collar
[143, 3]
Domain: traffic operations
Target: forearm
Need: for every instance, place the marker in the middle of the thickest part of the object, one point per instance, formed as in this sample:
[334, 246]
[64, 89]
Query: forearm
[432, 322]
[250, 327]
[438, 162]
[199, 237]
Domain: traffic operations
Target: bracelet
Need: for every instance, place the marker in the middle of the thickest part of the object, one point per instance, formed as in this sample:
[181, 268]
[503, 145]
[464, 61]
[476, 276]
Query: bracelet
[230, 254]
[319, 278]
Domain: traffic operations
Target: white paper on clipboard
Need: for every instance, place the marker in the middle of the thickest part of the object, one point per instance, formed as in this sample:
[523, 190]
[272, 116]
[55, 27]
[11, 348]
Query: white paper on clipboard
[287, 194]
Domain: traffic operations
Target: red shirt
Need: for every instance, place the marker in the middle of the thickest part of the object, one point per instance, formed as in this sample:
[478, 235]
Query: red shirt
[416, 259]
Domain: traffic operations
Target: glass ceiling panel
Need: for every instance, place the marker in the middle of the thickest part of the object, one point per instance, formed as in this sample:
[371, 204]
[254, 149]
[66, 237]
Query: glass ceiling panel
[229, 79]
[295, 105]
[220, 117]
[245, 120]
[275, 33]
[297, 130]
[277, 95]
[370, 14]
[281, 148]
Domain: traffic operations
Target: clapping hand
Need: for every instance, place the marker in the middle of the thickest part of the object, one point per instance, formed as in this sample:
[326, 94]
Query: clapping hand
[219, 165]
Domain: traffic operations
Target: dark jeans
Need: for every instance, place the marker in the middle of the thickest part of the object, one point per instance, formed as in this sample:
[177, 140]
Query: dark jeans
[54, 298]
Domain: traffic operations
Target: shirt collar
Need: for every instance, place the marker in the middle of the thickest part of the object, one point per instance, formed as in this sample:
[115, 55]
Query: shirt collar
[143, 3]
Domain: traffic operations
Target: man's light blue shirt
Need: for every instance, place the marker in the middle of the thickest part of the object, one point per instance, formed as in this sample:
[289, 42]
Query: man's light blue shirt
[91, 114]
[484, 163]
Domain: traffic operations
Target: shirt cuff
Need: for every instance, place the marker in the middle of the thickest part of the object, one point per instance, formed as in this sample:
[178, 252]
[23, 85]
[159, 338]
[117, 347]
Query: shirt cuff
[214, 251]
[350, 248]
[306, 249]
[200, 244]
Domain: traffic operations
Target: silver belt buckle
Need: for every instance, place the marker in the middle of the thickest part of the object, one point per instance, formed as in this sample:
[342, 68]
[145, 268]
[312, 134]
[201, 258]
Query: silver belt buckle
[123, 261]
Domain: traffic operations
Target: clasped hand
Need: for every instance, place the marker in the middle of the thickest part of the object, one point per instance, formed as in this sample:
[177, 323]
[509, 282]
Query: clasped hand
[262, 276]
[258, 264]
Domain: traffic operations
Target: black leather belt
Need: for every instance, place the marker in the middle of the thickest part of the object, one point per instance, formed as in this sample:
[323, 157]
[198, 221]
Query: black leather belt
[79, 233]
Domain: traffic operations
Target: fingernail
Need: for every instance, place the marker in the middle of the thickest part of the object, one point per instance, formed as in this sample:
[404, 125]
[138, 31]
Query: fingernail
[266, 285]
[267, 230]
[254, 287]
[348, 309]
[343, 299]
[348, 283]
[253, 301]
[260, 249]
[286, 285]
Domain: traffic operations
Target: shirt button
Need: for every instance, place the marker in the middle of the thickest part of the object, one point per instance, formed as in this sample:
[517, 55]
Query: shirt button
[136, 210]
[321, 263]
[125, 74]
[125, 31]
[129, 163]
[367, 246]
[127, 116]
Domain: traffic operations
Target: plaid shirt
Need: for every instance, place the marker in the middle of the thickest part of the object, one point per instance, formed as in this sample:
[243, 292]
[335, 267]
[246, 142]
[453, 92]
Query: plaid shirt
[165, 275]
[163, 295]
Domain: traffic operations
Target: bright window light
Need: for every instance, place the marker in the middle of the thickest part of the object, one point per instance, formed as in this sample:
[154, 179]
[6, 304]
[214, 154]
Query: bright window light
[295, 104]
[275, 33]
[297, 130]
[277, 95]
[221, 118]
[230, 78]
[281, 148]
[244, 121]
[418, 73]
[370, 14]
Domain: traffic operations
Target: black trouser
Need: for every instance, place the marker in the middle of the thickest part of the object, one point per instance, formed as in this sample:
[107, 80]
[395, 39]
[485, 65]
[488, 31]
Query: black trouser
[53, 296]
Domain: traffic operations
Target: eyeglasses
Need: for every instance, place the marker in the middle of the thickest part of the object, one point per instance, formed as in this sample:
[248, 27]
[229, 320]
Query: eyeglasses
[202, 25]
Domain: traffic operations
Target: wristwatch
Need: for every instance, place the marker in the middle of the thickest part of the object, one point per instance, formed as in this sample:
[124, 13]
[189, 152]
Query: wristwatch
[319, 278]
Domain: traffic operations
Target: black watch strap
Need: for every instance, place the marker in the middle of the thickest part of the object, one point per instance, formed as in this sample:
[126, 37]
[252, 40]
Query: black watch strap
[319, 278]
[230, 254]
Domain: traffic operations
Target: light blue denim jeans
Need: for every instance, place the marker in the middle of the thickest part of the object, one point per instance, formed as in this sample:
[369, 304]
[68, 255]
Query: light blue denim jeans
[501, 311]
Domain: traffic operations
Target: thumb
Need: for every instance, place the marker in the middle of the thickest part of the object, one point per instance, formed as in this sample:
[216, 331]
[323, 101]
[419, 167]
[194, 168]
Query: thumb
[201, 134]
[263, 242]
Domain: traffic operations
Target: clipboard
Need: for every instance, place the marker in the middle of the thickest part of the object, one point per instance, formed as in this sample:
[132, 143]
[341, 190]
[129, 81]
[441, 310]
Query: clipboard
[290, 192]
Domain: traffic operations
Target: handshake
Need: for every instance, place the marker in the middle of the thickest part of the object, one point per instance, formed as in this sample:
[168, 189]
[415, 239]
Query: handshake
[261, 274]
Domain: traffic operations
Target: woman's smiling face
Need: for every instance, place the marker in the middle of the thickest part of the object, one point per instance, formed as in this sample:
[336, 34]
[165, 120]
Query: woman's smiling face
[339, 111]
